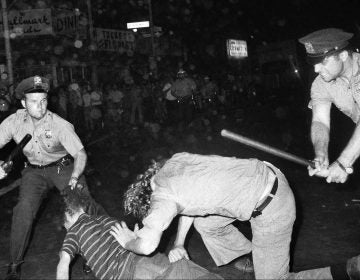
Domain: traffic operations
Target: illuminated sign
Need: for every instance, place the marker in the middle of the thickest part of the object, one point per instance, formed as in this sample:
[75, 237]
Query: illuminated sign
[139, 24]
[236, 48]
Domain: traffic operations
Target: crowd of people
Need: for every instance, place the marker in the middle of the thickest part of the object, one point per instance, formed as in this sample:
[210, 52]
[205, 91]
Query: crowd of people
[176, 96]
[171, 99]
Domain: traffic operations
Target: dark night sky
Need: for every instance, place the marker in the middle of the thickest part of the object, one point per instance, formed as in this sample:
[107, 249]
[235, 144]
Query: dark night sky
[265, 20]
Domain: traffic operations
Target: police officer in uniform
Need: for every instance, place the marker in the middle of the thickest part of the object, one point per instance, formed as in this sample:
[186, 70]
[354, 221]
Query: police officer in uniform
[338, 83]
[183, 89]
[55, 157]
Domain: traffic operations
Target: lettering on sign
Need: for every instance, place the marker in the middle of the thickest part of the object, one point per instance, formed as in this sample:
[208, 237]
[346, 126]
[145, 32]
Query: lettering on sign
[29, 22]
[115, 40]
[66, 23]
[236, 48]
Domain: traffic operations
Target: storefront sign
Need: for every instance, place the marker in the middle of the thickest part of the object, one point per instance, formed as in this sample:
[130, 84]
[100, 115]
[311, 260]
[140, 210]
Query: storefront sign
[115, 40]
[29, 22]
[236, 48]
[66, 23]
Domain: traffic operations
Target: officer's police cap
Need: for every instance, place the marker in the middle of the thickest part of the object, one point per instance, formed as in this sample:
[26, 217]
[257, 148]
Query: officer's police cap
[324, 42]
[32, 85]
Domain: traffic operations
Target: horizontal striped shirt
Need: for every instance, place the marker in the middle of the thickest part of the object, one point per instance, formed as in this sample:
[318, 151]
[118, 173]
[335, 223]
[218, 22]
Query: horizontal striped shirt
[90, 237]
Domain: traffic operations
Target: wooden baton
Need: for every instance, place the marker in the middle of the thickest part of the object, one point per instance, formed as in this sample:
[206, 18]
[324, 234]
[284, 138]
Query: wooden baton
[266, 148]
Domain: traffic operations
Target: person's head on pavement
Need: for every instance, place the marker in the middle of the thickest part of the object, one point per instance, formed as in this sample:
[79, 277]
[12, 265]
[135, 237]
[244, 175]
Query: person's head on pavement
[75, 203]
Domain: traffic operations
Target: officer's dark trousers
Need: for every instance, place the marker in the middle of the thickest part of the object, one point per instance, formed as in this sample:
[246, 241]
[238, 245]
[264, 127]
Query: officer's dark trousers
[184, 112]
[34, 187]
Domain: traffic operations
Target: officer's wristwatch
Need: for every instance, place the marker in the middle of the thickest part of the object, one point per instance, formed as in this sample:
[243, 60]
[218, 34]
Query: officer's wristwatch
[348, 170]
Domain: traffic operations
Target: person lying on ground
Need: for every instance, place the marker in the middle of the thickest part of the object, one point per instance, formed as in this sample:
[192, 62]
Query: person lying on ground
[89, 236]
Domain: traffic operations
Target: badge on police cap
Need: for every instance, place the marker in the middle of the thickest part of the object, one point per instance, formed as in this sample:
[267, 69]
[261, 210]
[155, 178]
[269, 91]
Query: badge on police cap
[30, 85]
[309, 47]
[37, 80]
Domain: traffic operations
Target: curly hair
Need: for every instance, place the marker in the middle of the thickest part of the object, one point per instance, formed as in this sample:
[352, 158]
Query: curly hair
[75, 199]
[137, 197]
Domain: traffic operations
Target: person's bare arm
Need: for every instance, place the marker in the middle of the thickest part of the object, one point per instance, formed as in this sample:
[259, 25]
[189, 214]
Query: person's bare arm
[339, 170]
[178, 251]
[62, 271]
[143, 241]
[352, 150]
[320, 131]
[80, 160]
[342, 167]
[320, 136]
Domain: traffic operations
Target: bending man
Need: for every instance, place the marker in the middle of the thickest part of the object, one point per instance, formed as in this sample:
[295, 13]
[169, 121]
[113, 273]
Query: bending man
[212, 192]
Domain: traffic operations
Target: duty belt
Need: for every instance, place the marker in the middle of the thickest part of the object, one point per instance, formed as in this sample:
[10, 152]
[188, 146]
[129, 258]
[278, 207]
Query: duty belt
[258, 210]
[64, 161]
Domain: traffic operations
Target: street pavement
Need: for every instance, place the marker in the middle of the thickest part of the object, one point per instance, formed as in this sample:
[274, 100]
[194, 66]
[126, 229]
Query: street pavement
[326, 230]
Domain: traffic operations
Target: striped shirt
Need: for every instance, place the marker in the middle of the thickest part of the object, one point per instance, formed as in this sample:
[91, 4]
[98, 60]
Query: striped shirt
[90, 237]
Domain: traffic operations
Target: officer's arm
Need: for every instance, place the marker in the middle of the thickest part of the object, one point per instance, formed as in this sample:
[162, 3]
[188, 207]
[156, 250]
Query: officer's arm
[62, 271]
[6, 136]
[320, 129]
[173, 92]
[352, 149]
[80, 159]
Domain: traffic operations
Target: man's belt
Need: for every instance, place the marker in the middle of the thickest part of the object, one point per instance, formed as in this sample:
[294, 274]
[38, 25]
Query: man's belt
[258, 210]
[64, 161]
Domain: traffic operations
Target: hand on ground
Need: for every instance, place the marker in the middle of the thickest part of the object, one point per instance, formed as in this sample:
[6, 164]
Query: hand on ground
[177, 253]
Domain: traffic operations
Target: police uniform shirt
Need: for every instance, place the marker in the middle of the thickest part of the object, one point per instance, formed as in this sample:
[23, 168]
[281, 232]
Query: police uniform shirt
[345, 95]
[183, 87]
[52, 138]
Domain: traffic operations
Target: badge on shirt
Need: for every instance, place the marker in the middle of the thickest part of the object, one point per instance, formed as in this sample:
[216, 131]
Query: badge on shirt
[48, 133]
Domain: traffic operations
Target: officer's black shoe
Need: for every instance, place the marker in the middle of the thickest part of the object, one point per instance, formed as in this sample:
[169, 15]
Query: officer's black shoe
[13, 272]
[86, 268]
